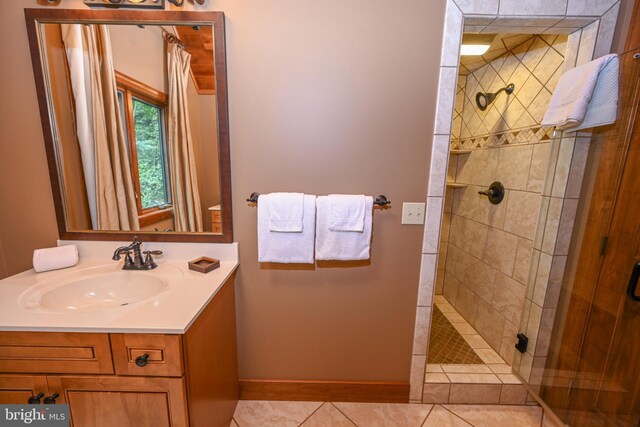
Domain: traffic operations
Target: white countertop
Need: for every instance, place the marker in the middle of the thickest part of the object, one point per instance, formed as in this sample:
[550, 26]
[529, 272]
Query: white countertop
[171, 311]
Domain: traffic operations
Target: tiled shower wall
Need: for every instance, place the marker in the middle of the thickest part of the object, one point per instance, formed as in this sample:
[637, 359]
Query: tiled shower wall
[534, 67]
[448, 200]
[488, 247]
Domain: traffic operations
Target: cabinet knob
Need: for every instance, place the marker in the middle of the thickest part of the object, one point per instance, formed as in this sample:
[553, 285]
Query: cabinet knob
[51, 400]
[35, 400]
[142, 360]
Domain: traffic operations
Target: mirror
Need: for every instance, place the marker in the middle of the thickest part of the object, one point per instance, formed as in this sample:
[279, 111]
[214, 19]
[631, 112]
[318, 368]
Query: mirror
[134, 114]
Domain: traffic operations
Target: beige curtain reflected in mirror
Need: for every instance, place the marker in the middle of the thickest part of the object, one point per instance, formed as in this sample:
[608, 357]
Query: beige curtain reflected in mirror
[105, 158]
[182, 166]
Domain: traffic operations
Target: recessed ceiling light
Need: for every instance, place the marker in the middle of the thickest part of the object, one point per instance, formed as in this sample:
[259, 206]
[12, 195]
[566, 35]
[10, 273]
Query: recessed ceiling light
[476, 44]
[473, 49]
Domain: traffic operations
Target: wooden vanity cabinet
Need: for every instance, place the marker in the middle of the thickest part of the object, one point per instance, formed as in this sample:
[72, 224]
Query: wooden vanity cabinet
[180, 380]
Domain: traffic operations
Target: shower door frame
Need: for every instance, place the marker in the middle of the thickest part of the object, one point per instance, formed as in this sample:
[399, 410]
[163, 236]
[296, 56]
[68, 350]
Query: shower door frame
[590, 27]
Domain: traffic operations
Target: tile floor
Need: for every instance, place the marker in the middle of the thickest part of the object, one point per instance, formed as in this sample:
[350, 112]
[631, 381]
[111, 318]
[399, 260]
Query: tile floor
[251, 413]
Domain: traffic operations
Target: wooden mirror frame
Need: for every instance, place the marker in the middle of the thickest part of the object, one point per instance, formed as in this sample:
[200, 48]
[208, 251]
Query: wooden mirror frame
[34, 17]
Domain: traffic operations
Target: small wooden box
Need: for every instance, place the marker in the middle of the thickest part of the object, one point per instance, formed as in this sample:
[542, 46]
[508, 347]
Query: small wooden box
[204, 264]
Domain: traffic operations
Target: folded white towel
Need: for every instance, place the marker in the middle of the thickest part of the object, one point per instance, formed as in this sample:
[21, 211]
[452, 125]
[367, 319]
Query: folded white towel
[274, 246]
[575, 90]
[347, 212]
[55, 258]
[286, 211]
[342, 245]
[603, 106]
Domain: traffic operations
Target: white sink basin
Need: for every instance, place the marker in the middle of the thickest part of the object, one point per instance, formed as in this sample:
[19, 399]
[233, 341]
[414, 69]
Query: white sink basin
[97, 288]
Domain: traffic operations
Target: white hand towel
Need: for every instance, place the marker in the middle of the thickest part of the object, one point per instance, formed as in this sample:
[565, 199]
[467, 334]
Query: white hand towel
[55, 258]
[570, 100]
[286, 211]
[342, 245]
[274, 246]
[346, 212]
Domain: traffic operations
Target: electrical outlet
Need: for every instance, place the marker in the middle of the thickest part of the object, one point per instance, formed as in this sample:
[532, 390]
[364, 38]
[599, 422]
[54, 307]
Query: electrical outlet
[413, 213]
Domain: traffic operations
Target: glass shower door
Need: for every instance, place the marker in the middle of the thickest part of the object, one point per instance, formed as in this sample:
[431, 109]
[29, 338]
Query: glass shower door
[592, 376]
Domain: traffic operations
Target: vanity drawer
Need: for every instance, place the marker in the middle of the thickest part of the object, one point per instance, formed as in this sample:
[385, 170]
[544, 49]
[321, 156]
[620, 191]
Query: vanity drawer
[164, 354]
[55, 352]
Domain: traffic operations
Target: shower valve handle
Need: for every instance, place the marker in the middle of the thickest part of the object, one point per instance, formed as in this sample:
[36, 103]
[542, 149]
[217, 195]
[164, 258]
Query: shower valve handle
[495, 193]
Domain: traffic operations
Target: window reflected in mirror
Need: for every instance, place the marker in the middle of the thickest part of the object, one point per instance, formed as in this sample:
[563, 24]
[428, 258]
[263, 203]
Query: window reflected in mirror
[143, 113]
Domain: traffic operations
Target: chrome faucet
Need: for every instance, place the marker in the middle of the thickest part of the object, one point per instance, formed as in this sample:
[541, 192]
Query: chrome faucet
[136, 262]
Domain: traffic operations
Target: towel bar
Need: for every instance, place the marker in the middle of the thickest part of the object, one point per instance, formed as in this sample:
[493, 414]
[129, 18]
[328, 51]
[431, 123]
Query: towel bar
[380, 200]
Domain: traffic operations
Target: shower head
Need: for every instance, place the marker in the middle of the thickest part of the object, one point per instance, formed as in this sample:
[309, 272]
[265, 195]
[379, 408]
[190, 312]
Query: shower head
[483, 100]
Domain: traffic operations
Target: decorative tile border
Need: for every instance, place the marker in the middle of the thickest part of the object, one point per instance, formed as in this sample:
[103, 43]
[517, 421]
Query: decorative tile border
[563, 179]
[532, 135]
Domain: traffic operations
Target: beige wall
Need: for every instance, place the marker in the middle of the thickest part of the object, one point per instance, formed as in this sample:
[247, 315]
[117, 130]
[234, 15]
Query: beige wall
[331, 97]
[139, 53]
[324, 97]
[27, 219]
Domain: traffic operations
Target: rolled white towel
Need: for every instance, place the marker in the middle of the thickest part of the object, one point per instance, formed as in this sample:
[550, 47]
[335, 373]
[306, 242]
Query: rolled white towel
[55, 258]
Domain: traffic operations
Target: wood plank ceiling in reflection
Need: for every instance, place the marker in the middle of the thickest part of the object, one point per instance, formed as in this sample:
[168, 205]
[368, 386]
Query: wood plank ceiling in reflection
[199, 43]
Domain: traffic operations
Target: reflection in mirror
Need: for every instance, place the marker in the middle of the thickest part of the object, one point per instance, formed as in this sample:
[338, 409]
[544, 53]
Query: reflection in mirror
[136, 121]
[134, 111]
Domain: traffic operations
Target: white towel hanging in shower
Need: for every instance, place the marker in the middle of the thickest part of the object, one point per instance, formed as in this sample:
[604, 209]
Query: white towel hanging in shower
[586, 96]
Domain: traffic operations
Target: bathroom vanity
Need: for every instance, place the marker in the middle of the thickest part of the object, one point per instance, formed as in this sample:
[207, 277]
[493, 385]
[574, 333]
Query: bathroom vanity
[167, 360]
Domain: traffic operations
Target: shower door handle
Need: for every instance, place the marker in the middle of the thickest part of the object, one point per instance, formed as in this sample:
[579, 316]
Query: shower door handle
[633, 282]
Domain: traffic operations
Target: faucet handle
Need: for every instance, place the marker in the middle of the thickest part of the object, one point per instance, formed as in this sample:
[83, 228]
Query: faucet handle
[148, 260]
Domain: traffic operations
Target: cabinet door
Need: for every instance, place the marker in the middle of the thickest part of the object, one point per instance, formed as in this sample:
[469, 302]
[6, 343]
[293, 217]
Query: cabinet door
[17, 389]
[122, 402]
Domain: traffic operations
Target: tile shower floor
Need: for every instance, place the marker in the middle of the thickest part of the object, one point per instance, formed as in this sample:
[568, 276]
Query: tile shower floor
[447, 345]
[252, 413]
[463, 368]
